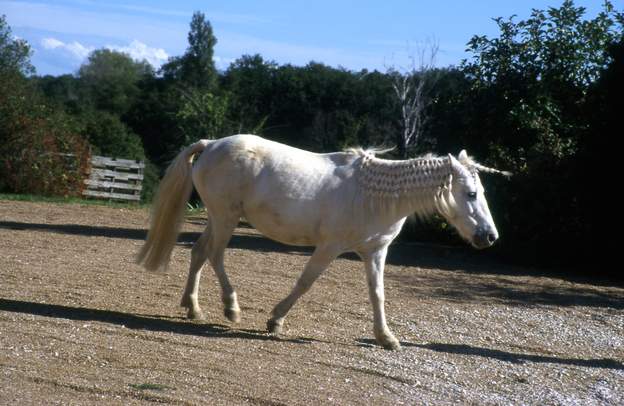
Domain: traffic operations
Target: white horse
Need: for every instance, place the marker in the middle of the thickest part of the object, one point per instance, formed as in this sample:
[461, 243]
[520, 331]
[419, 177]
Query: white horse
[339, 202]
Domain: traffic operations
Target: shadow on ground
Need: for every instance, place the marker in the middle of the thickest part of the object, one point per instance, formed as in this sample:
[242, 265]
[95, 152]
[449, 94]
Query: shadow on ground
[140, 322]
[420, 255]
[466, 287]
[457, 285]
[514, 358]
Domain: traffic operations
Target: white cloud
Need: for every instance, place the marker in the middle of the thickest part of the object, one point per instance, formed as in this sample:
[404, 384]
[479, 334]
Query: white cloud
[222, 63]
[76, 49]
[140, 51]
[51, 43]
[136, 49]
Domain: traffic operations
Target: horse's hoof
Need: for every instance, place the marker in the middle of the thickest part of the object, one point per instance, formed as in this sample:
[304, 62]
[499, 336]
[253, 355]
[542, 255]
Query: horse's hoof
[391, 345]
[232, 315]
[388, 341]
[274, 327]
[195, 314]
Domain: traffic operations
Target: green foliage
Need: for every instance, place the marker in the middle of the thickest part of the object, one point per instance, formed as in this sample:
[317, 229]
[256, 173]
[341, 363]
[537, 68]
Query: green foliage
[196, 67]
[526, 110]
[540, 99]
[14, 53]
[110, 137]
[249, 83]
[553, 48]
[201, 115]
[65, 91]
[599, 160]
[150, 181]
[111, 79]
[153, 118]
[41, 150]
[315, 106]
[68, 200]
[150, 386]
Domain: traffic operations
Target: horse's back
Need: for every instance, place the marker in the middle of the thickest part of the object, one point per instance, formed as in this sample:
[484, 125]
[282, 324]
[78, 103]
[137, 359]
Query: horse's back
[249, 158]
[285, 192]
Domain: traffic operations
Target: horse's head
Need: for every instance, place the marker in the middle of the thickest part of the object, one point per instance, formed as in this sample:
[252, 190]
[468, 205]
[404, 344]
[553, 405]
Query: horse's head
[466, 207]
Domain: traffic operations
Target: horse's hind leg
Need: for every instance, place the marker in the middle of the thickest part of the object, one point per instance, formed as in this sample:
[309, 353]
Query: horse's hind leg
[211, 245]
[199, 254]
[223, 228]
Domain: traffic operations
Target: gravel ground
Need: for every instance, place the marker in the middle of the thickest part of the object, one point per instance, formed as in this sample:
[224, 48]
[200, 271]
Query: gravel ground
[80, 323]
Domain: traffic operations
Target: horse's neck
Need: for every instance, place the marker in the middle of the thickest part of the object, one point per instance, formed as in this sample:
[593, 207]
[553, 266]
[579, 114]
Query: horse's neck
[404, 187]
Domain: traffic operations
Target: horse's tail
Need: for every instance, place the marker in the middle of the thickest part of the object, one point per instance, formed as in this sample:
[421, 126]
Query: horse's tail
[168, 209]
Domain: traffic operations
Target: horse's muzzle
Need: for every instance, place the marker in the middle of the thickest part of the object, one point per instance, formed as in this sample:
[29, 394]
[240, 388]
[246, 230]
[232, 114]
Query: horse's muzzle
[484, 238]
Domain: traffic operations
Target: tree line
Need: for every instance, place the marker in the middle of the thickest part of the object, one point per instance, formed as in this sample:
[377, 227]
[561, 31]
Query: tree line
[538, 100]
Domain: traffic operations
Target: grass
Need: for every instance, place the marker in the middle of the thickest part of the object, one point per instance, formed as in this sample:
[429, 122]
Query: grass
[70, 200]
[192, 208]
[149, 386]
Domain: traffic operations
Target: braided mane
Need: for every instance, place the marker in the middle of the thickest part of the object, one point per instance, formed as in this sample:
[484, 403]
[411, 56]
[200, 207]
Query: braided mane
[421, 184]
[388, 178]
[415, 185]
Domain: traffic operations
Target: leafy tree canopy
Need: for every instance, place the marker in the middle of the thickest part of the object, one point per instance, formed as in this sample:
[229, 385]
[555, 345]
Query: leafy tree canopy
[111, 79]
[14, 52]
[196, 67]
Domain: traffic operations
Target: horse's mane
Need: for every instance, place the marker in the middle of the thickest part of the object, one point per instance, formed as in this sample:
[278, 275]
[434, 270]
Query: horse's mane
[420, 183]
[359, 151]
[423, 183]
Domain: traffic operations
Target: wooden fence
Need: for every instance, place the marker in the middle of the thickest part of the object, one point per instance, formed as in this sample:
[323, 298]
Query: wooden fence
[114, 179]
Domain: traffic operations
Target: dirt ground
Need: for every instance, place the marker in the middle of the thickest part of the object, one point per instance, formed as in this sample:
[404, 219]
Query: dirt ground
[80, 323]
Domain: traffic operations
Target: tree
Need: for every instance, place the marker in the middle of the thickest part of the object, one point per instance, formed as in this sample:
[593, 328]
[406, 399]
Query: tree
[201, 115]
[64, 90]
[41, 149]
[412, 87]
[110, 80]
[525, 111]
[14, 52]
[196, 67]
[110, 137]
[249, 82]
[599, 161]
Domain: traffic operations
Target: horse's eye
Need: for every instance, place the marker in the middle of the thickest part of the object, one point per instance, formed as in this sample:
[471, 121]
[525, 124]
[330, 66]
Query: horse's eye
[472, 195]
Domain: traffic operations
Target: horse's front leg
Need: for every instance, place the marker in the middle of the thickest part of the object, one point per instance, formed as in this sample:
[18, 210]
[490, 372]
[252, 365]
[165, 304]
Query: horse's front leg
[318, 262]
[374, 263]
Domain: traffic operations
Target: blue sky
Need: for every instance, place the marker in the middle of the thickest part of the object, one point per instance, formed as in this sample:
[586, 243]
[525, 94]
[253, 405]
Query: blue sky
[352, 34]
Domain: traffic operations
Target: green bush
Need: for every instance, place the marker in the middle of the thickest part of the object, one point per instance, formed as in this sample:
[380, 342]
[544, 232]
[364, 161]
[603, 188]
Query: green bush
[110, 137]
[41, 149]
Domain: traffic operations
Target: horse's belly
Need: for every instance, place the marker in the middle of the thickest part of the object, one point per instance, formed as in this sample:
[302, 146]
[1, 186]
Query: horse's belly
[287, 228]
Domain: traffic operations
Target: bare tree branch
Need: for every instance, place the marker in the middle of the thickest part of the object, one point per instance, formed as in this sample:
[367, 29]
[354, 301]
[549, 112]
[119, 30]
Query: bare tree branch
[411, 86]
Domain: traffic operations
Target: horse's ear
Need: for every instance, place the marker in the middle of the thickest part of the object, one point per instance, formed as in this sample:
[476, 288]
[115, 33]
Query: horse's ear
[454, 163]
[463, 156]
[457, 165]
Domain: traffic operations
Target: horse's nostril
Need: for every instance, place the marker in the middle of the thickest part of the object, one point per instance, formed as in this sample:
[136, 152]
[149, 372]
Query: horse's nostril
[491, 238]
